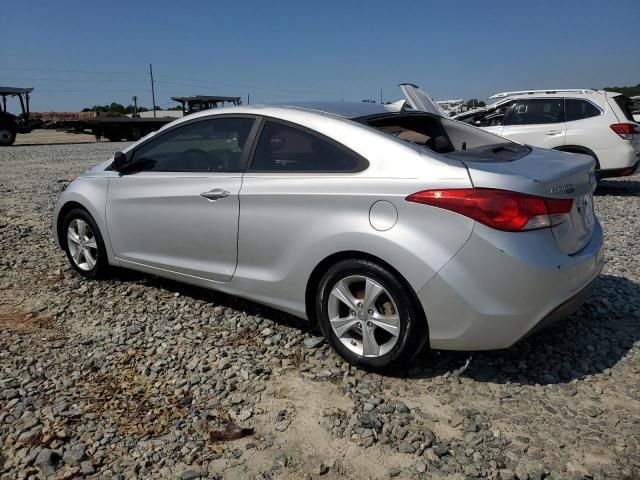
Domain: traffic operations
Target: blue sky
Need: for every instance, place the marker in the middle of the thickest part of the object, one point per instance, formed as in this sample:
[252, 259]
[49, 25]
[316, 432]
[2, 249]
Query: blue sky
[81, 53]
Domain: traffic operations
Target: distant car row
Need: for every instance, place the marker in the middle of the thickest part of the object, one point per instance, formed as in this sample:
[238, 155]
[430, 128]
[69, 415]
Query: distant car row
[593, 122]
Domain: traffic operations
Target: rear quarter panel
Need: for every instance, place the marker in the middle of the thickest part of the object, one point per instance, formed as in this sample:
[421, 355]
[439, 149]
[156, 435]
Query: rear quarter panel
[289, 224]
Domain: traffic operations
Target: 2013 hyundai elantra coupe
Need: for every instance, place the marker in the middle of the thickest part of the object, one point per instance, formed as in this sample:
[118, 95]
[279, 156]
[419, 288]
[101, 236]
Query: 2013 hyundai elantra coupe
[391, 229]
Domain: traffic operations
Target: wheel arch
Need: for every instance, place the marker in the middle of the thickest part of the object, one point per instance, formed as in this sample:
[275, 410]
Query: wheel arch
[579, 149]
[322, 267]
[64, 210]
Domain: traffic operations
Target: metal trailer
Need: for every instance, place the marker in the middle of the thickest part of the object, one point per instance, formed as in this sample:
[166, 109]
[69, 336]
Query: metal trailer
[198, 103]
[132, 129]
[115, 128]
[11, 125]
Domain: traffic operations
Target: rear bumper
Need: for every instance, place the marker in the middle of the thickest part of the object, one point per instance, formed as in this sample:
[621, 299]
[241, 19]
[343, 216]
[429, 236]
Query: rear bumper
[565, 309]
[619, 172]
[502, 286]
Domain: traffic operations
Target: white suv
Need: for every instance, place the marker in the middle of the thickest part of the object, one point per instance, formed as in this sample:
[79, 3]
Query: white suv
[594, 122]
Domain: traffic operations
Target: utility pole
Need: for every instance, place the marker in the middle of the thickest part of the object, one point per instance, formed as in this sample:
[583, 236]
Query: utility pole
[135, 106]
[380, 96]
[153, 91]
[248, 98]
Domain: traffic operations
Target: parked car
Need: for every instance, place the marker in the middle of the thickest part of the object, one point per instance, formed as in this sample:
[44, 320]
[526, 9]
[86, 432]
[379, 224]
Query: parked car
[635, 108]
[391, 229]
[592, 122]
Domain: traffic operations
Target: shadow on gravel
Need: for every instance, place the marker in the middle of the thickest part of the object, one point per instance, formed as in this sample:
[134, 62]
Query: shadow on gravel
[591, 341]
[619, 188]
[214, 298]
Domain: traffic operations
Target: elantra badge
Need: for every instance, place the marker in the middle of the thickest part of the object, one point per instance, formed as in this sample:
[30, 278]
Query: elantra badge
[565, 188]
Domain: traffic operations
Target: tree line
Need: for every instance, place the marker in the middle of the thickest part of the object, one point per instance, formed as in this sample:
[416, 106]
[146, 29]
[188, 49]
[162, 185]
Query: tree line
[628, 91]
[115, 108]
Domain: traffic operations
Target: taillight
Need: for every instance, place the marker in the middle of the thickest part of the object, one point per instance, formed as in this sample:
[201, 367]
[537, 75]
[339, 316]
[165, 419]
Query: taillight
[499, 209]
[625, 130]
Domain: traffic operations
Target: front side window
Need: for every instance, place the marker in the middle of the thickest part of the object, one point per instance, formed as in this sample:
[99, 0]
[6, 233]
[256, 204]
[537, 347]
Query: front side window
[283, 148]
[213, 145]
[576, 109]
[536, 111]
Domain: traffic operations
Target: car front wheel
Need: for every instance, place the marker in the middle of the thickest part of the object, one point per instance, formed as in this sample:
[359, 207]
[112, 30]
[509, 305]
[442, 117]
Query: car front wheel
[368, 315]
[84, 245]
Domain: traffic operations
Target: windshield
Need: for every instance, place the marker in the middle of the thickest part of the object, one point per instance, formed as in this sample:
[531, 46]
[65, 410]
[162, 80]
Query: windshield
[450, 138]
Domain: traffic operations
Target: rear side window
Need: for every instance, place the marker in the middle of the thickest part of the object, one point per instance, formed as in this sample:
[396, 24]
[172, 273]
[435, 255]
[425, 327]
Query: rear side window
[536, 111]
[625, 105]
[450, 138]
[283, 148]
[212, 145]
[576, 109]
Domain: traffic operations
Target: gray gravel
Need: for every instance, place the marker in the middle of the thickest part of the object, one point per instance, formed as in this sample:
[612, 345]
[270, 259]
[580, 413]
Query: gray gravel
[138, 377]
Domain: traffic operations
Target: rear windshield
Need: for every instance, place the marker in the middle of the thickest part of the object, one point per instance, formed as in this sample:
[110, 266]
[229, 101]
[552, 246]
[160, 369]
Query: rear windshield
[625, 105]
[450, 138]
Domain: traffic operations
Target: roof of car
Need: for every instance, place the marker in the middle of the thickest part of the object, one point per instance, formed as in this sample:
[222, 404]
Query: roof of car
[343, 109]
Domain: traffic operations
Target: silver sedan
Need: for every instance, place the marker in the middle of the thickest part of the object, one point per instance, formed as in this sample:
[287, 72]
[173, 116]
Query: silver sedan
[393, 229]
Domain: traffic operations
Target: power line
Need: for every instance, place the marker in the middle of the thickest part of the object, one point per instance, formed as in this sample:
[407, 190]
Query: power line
[265, 91]
[31, 69]
[92, 80]
[208, 84]
[46, 90]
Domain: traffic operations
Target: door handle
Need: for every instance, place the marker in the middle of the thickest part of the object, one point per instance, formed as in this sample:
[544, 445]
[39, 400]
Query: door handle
[215, 194]
[554, 132]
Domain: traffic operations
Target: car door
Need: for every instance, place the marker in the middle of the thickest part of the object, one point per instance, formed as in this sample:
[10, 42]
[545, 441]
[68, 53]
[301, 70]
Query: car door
[536, 121]
[179, 211]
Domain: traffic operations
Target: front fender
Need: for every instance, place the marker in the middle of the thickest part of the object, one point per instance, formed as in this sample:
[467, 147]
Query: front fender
[91, 194]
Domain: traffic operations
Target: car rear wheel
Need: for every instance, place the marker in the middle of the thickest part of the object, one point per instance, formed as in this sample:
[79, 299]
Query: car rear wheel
[84, 245]
[368, 315]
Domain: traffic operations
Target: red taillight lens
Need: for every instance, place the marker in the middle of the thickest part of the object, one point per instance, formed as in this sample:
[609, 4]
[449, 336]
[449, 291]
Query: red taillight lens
[499, 209]
[625, 130]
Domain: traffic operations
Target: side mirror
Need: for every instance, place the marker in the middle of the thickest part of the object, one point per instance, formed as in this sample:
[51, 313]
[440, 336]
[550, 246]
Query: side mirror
[120, 162]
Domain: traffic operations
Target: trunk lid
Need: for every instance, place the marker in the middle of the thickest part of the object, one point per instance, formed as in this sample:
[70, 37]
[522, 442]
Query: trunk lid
[419, 100]
[550, 174]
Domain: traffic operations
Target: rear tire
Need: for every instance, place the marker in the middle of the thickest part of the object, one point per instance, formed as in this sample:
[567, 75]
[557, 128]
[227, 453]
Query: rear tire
[84, 245]
[369, 315]
[7, 136]
[134, 135]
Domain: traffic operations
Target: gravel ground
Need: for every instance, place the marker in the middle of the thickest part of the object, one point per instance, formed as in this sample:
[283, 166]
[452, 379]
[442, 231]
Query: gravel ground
[138, 377]
[46, 136]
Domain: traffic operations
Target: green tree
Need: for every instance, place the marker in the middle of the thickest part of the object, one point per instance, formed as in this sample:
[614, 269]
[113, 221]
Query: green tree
[628, 91]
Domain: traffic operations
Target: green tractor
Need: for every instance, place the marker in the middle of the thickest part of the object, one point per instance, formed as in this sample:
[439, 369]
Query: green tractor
[11, 125]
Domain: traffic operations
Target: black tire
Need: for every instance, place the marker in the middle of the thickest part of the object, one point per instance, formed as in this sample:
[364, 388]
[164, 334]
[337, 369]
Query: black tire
[7, 136]
[413, 326]
[134, 135]
[101, 267]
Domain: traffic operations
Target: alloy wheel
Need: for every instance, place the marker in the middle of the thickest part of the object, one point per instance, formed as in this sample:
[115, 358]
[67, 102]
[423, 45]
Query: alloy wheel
[363, 316]
[82, 244]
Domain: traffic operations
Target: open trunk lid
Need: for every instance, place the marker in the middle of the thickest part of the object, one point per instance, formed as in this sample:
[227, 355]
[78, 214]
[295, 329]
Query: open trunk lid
[549, 174]
[419, 100]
